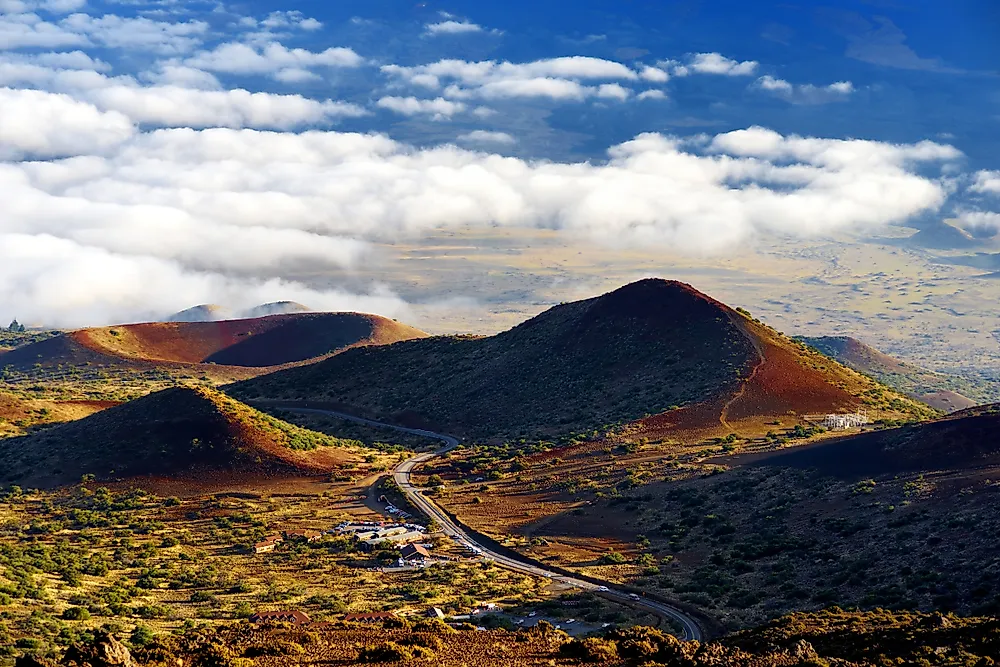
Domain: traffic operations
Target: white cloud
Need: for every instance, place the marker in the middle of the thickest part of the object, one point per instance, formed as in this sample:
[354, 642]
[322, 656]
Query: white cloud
[272, 59]
[654, 74]
[174, 106]
[169, 74]
[652, 95]
[804, 93]
[51, 6]
[986, 182]
[138, 33]
[30, 31]
[487, 137]
[613, 91]
[980, 221]
[63, 283]
[716, 63]
[465, 75]
[185, 98]
[452, 28]
[439, 108]
[539, 87]
[41, 125]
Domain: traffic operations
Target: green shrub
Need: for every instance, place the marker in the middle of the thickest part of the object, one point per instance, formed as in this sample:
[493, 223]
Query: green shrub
[76, 614]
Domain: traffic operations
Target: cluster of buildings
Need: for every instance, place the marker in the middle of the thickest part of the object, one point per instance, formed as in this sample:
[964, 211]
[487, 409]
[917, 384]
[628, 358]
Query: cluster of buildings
[369, 534]
[271, 542]
[843, 422]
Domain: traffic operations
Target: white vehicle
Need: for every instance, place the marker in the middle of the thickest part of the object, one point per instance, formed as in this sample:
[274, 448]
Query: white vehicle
[604, 589]
[633, 596]
[533, 614]
[572, 620]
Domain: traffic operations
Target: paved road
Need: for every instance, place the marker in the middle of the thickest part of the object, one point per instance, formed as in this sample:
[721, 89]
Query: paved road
[401, 474]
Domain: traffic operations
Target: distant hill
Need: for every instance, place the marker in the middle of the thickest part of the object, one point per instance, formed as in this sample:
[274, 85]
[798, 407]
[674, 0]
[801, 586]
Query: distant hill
[172, 432]
[639, 351]
[250, 343]
[276, 308]
[943, 235]
[947, 393]
[208, 312]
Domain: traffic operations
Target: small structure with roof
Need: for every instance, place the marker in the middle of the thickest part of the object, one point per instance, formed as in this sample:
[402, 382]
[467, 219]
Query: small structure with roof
[371, 617]
[414, 553]
[294, 617]
[267, 544]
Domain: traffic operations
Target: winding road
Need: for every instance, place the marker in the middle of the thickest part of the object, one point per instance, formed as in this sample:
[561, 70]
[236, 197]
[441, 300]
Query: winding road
[401, 474]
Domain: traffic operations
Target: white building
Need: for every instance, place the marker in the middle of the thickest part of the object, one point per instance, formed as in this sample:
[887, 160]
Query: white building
[845, 421]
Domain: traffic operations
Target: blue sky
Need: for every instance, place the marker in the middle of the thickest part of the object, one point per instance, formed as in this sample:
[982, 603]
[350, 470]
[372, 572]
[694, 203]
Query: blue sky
[161, 153]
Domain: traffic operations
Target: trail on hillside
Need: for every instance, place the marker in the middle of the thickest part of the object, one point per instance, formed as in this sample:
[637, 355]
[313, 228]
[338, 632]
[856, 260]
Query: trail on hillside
[761, 359]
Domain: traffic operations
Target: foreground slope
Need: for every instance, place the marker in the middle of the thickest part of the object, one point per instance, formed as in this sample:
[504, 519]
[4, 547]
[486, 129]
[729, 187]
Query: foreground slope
[172, 432]
[250, 343]
[642, 350]
[903, 517]
[944, 392]
[966, 439]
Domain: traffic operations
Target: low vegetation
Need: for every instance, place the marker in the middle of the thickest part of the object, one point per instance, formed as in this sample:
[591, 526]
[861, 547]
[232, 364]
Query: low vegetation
[830, 638]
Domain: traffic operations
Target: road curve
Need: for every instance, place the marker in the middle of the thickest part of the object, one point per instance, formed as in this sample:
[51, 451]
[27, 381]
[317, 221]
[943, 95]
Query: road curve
[401, 475]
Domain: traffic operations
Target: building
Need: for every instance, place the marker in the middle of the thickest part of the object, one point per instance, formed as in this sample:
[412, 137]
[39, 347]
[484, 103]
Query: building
[267, 544]
[372, 617]
[435, 612]
[303, 535]
[845, 421]
[293, 617]
[404, 537]
[414, 553]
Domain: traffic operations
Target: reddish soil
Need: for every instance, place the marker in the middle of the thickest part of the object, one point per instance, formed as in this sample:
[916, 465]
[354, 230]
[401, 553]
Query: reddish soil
[782, 381]
[262, 342]
[172, 432]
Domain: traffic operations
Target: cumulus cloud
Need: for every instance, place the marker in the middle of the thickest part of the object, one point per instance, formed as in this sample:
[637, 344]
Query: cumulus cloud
[452, 28]
[654, 74]
[439, 108]
[138, 33]
[59, 282]
[805, 93]
[487, 137]
[554, 78]
[652, 94]
[272, 59]
[713, 63]
[186, 97]
[42, 125]
[51, 6]
[980, 222]
[30, 31]
[986, 182]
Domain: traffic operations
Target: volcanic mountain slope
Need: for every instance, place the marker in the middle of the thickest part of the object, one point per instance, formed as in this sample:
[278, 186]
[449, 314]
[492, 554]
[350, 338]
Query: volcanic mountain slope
[641, 350]
[947, 393]
[19, 414]
[249, 344]
[902, 518]
[176, 431]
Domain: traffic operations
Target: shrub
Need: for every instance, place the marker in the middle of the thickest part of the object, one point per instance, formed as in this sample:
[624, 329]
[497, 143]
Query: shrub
[591, 649]
[612, 558]
[76, 614]
[393, 652]
[141, 636]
